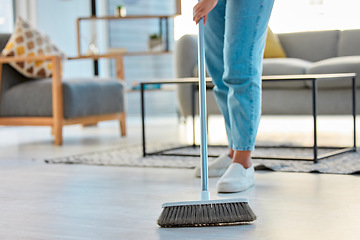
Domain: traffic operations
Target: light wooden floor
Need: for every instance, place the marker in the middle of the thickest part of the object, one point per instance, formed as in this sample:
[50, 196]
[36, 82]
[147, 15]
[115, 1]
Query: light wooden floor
[76, 202]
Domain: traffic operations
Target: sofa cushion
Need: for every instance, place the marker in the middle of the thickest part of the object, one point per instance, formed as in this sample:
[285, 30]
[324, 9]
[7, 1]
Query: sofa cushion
[349, 64]
[349, 44]
[284, 66]
[312, 46]
[82, 97]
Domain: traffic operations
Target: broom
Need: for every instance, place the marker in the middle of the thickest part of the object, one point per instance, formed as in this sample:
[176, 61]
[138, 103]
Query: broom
[205, 212]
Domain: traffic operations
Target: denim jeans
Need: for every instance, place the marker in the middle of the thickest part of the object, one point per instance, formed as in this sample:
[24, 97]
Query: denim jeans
[235, 35]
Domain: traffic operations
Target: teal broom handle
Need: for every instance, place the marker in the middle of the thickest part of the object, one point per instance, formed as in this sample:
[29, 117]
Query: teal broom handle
[202, 110]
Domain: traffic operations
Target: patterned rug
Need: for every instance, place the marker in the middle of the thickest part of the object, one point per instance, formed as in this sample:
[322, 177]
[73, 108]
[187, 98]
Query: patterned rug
[348, 163]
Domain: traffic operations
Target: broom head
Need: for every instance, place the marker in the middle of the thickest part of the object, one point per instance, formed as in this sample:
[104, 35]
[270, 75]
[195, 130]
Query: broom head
[206, 213]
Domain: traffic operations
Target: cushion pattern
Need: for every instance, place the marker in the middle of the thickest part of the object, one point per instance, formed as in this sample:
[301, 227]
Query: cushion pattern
[27, 41]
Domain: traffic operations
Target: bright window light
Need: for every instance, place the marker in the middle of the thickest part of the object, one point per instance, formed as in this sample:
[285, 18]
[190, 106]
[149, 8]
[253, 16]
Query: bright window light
[184, 23]
[313, 15]
[292, 16]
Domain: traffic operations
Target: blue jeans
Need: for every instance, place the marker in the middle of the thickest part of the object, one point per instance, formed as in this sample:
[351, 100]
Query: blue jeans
[235, 35]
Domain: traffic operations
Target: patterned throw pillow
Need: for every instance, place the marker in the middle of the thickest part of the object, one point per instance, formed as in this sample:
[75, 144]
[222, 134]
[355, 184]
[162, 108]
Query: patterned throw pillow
[27, 41]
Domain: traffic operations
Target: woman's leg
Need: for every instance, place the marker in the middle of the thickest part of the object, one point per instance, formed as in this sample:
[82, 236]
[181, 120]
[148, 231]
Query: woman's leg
[246, 24]
[214, 54]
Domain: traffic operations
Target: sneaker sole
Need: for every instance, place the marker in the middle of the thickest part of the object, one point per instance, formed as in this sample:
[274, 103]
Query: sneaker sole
[233, 190]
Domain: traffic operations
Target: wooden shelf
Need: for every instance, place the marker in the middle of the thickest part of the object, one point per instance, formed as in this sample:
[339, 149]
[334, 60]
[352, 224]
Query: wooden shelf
[114, 55]
[119, 58]
[97, 56]
[127, 17]
[160, 17]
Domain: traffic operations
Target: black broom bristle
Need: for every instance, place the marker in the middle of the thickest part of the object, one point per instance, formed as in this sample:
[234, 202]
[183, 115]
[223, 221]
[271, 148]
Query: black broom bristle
[212, 214]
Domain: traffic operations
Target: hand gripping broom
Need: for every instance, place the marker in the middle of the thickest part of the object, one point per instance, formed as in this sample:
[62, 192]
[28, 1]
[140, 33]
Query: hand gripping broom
[205, 212]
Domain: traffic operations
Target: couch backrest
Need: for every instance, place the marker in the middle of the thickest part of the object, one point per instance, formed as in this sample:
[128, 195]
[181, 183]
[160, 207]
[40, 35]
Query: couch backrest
[349, 43]
[311, 46]
[10, 76]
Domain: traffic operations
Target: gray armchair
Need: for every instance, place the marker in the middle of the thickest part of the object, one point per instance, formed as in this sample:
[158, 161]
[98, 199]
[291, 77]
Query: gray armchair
[57, 102]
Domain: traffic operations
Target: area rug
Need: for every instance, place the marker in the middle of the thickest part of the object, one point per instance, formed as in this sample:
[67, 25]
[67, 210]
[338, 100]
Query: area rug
[131, 155]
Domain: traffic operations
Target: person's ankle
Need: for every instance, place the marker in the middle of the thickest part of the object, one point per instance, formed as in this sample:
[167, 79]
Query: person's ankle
[245, 163]
[231, 153]
[243, 158]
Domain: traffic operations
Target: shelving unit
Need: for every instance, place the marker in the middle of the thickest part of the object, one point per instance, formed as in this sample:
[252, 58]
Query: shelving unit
[163, 19]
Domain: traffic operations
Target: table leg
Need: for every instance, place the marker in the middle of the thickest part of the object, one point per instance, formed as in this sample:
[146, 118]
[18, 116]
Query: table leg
[314, 107]
[167, 34]
[143, 118]
[193, 111]
[354, 108]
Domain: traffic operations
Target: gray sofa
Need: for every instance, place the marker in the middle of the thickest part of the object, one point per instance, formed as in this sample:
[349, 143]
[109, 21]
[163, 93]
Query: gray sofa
[315, 52]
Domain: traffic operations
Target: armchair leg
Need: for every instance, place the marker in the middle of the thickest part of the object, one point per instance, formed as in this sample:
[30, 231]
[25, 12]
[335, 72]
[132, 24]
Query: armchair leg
[57, 101]
[122, 121]
[58, 135]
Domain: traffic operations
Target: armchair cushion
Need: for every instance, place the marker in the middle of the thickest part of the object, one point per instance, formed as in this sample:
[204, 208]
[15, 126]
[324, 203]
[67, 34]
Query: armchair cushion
[81, 97]
[27, 41]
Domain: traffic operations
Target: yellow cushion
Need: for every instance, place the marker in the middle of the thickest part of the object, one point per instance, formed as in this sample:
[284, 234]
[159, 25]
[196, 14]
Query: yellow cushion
[27, 41]
[273, 48]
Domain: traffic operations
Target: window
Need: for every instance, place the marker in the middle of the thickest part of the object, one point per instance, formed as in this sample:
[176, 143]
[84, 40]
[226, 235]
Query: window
[6, 16]
[184, 24]
[312, 15]
[292, 16]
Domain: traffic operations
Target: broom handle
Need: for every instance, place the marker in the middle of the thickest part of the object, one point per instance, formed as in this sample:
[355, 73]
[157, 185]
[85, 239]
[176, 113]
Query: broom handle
[202, 110]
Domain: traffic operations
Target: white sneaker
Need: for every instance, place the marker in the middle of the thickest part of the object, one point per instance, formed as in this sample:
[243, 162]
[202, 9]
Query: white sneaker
[236, 179]
[217, 167]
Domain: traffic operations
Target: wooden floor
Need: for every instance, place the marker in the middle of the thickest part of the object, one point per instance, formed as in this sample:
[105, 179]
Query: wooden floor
[76, 202]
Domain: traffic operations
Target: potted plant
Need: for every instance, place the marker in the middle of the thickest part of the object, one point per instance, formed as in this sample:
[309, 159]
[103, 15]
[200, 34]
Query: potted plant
[155, 42]
[120, 11]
